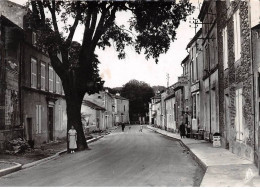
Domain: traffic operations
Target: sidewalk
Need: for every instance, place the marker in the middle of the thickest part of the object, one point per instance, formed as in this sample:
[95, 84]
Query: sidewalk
[222, 168]
[12, 163]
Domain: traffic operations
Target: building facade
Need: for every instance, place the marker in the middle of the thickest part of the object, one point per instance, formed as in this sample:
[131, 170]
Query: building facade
[170, 111]
[10, 65]
[195, 76]
[121, 114]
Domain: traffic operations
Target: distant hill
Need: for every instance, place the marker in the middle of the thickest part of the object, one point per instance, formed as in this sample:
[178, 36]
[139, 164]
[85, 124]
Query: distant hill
[158, 88]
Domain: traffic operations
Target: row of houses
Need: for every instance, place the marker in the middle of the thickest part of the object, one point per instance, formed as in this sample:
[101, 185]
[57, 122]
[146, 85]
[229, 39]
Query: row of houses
[32, 100]
[219, 89]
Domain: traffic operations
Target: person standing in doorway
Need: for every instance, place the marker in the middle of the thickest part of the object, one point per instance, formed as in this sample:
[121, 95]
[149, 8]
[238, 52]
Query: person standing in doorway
[72, 134]
[182, 130]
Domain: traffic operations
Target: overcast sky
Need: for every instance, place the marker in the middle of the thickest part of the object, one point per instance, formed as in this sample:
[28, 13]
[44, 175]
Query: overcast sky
[118, 72]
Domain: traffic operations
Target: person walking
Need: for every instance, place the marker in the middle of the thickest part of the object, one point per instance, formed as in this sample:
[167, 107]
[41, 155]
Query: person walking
[72, 134]
[141, 128]
[182, 130]
[123, 127]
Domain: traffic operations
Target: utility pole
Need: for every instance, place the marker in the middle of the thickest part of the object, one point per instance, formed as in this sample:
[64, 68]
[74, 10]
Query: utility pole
[167, 78]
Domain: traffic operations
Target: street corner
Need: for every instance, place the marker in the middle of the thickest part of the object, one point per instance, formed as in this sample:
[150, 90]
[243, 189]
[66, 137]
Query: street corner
[9, 167]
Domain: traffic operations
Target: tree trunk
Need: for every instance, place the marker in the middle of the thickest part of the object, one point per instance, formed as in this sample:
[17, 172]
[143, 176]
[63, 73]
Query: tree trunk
[74, 101]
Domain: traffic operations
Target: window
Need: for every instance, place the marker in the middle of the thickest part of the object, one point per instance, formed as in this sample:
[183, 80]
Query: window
[237, 35]
[58, 84]
[34, 38]
[38, 119]
[50, 79]
[239, 116]
[33, 73]
[43, 75]
[194, 106]
[225, 48]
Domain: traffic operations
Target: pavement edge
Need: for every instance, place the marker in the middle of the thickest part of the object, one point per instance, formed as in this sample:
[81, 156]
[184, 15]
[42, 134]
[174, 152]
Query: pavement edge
[18, 166]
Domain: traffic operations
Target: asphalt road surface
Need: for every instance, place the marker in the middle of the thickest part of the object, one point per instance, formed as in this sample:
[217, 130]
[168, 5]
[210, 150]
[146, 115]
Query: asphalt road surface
[127, 159]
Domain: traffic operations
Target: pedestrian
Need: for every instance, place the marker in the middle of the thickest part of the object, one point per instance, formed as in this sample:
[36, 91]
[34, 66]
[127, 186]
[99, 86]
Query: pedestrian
[123, 127]
[188, 130]
[129, 127]
[141, 128]
[72, 139]
[182, 130]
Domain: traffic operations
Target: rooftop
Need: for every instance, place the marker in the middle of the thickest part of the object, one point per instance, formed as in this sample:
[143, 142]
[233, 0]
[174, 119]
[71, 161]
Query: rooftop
[93, 105]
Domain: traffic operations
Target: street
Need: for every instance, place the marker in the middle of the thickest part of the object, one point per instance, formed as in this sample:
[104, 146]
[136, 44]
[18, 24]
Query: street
[129, 158]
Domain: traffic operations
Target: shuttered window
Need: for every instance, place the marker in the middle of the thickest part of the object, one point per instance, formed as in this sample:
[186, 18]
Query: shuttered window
[237, 35]
[33, 73]
[43, 75]
[50, 79]
[58, 84]
[225, 48]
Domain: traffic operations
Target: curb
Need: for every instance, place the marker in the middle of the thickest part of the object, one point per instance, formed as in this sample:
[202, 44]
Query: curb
[11, 169]
[196, 158]
[20, 166]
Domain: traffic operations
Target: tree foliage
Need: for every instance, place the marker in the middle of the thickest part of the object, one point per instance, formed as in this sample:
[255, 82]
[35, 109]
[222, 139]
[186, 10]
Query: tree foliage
[152, 28]
[139, 94]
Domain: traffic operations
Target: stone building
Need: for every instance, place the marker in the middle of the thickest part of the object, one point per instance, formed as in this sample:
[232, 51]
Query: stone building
[34, 86]
[121, 113]
[211, 71]
[43, 101]
[152, 109]
[181, 89]
[196, 95]
[93, 116]
[170, 111]
[10, 64]
[255, 72]
[235, 56]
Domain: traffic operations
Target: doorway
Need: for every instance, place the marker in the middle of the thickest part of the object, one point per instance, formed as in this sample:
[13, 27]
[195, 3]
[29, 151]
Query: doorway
[50, 123]
[29, 128]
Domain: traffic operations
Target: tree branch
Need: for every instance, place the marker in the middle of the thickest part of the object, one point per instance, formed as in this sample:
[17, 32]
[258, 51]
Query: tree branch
[88, 33]
[53, 15]
[57, 64]
[103, 26]
[75, 24]
[40, 4]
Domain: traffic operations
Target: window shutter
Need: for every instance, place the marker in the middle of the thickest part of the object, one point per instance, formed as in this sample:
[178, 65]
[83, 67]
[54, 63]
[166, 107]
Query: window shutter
[40, 118]
[37, 120]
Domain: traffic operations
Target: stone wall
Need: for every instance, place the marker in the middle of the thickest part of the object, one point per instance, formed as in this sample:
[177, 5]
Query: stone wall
[239, 76]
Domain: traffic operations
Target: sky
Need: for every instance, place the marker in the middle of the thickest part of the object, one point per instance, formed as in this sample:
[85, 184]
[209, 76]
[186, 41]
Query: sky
[117, 72]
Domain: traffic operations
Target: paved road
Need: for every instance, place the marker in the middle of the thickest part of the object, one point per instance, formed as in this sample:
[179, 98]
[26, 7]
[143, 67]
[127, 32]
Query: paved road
[131, 158]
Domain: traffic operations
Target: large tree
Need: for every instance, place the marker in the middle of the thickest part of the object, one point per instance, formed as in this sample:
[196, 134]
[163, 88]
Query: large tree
[139, 94]
[152, 28]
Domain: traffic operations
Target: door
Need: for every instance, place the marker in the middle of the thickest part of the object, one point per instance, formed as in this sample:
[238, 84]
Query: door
[29, 128]
[50, 123]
